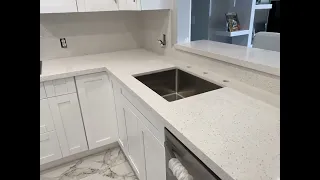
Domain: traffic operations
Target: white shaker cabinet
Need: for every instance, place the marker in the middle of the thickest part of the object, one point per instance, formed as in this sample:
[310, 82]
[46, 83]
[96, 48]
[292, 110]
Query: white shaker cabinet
[49, 147]
[155, 4]
[97, 5]
[46, 121]
[154, 154]
[145, 4]
[122, 127]
[98, 108]
[135, 143]
[129, 5]
[58, 6]
[68, 123]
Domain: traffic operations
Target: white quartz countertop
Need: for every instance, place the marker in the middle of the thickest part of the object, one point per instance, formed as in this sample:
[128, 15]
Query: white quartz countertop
[253, 58]
[235, 135]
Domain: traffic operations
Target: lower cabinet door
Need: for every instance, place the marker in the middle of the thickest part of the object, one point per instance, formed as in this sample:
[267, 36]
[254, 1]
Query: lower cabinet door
[49, 147]
[68, 122]
[46, 122]
[154, 155]
[98, 109]
[121, 122]
[135, 144]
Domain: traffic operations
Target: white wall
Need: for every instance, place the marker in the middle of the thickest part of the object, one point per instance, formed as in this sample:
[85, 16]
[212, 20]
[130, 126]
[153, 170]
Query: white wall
[88, 33]
[184, 20]
[154, 24]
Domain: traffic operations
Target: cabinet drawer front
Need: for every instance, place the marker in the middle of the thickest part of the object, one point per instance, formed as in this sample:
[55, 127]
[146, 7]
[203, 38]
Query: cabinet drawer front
[46, 121]
[42, 91]
[49, 147]
[60, 87]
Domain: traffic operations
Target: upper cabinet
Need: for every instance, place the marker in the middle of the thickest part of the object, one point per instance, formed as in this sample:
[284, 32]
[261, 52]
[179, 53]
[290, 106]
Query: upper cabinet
[98, 109]
[144, 4]
[58, 6]
[62, 6]
[129, 5]
[155, 4]
[97, 5]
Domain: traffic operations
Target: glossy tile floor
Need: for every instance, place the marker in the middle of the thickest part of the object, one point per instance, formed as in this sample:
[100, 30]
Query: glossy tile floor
[109, 165]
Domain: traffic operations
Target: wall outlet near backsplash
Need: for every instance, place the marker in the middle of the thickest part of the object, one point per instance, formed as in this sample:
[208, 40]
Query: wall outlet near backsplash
[63, 43]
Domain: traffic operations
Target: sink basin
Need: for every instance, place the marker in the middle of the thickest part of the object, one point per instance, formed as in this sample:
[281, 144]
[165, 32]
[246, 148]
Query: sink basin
[176, 84]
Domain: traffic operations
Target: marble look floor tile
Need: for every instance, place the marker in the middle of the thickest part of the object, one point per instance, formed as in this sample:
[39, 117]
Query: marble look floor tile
[57, 171]
[113, 157]
[122, 171]
[108, 165]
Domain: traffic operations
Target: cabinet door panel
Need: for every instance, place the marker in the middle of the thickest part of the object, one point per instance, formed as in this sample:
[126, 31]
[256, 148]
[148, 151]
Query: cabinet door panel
[46, 121]
[57, 6]
[97, 5]
[155, 4]
[98, 109]
[67, 117]
[153, 152]
[135, 145]
[49, 147]
[122, 127]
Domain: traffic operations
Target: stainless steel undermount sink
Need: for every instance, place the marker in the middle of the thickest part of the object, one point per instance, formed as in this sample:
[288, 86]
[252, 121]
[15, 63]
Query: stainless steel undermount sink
[176, 84]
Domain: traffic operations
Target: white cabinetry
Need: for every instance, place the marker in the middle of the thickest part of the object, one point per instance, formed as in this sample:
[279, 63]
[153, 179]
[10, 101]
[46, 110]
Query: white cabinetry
[60, 87]
[49, 147]
[144, 4]
[97, 5]
[122, 127]
[155, 4]
[129, 5]
[135, 143]
[46, 121]
[154, 154]
[144, 151]
[58, 6]
[63, 6]
[67, 118]
[98, 109]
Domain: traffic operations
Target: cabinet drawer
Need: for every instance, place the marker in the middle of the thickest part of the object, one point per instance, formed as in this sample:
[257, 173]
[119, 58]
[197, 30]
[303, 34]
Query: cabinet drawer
[42, 91]
[49, 147]
[59, 87]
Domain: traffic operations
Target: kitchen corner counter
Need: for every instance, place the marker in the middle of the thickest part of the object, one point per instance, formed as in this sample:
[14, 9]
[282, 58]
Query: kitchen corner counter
[257, 59]
[235, 135]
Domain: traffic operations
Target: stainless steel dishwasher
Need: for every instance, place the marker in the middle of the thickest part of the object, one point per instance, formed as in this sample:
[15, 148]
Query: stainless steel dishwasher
[194, 166]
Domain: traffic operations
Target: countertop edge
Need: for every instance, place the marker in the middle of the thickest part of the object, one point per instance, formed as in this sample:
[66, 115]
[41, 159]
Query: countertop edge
[231, 60]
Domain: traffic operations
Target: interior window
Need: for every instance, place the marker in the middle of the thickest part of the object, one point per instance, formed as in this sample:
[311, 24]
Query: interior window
[240, 22]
